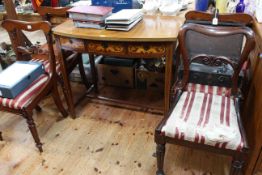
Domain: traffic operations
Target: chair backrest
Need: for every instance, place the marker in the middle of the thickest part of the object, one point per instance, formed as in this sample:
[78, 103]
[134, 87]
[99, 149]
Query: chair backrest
[27, 52]
[226, 19]
[212, 46]
[55, 15]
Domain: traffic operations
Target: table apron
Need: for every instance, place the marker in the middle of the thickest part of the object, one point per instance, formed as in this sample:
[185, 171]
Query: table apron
[116, 48]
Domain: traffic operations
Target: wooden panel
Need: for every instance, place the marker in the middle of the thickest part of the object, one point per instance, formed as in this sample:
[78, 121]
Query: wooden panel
[253, 113]
[155, 49]
[259, 163]
[106, 47]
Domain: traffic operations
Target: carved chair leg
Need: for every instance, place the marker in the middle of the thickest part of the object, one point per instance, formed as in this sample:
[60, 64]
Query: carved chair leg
[58, 101]
[38, 108]
[82, 72]
[32, 128]
[1, 137]
[160, 153]
[237, 165]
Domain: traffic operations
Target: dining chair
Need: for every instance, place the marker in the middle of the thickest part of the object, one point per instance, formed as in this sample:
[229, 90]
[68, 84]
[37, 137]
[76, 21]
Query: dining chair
[206, 115]
[240, 19]
[28, 99]
[55, 15]
[72, 59]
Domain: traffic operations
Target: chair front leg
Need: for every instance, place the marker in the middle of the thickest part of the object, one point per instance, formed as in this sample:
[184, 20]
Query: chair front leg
[160, 153]
[32, 128]
[237, 165]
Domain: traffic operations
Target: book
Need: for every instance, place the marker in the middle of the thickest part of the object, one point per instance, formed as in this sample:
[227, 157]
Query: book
[95, 13]
[89, 21]
[123, 27]
[126, 16]
[89, 24]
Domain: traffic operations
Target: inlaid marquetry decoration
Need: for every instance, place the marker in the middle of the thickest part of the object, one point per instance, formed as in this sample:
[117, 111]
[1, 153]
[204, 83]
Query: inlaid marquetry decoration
[106, 47]
[146, 49]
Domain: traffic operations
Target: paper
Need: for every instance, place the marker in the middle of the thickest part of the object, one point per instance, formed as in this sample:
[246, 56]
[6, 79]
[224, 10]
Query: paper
[16, 72]
[125, 16]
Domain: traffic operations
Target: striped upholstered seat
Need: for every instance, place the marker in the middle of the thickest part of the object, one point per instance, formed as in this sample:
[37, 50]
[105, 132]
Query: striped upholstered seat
[216, 90]
[25, 97]
[205, 114]
[46, 64]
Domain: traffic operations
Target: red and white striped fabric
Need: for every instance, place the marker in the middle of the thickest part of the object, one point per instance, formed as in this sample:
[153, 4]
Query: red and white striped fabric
[216, 90]
[205, 118]
[46, 64]
[24, 97]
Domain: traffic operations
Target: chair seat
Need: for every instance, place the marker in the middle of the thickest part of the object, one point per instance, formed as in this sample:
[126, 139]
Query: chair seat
[25, 97]
[44, 59]
[216, 90]
[205, 118]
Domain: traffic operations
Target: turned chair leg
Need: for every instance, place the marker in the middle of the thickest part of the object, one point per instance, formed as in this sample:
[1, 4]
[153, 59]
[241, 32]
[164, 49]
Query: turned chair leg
[1, 137]
[160, 153]
[32, 128]
[58, 101]
[237, 165]
[82, 72]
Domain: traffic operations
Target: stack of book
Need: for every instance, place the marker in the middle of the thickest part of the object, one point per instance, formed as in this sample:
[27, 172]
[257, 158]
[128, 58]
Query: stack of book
[124, 20]
[89, 16]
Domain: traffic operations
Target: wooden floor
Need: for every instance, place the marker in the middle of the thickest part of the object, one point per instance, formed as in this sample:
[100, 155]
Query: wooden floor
[101, 140]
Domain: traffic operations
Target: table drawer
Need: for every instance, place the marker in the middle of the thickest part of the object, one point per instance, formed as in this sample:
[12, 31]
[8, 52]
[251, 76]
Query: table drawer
[72, 44]
[106, 47]
[157, 49]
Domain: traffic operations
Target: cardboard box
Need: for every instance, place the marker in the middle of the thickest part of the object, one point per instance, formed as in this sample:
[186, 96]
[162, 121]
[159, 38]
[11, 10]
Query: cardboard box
[75, 74]
[216, 76]
[18, 76]
[150, 80]
[121, 75]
